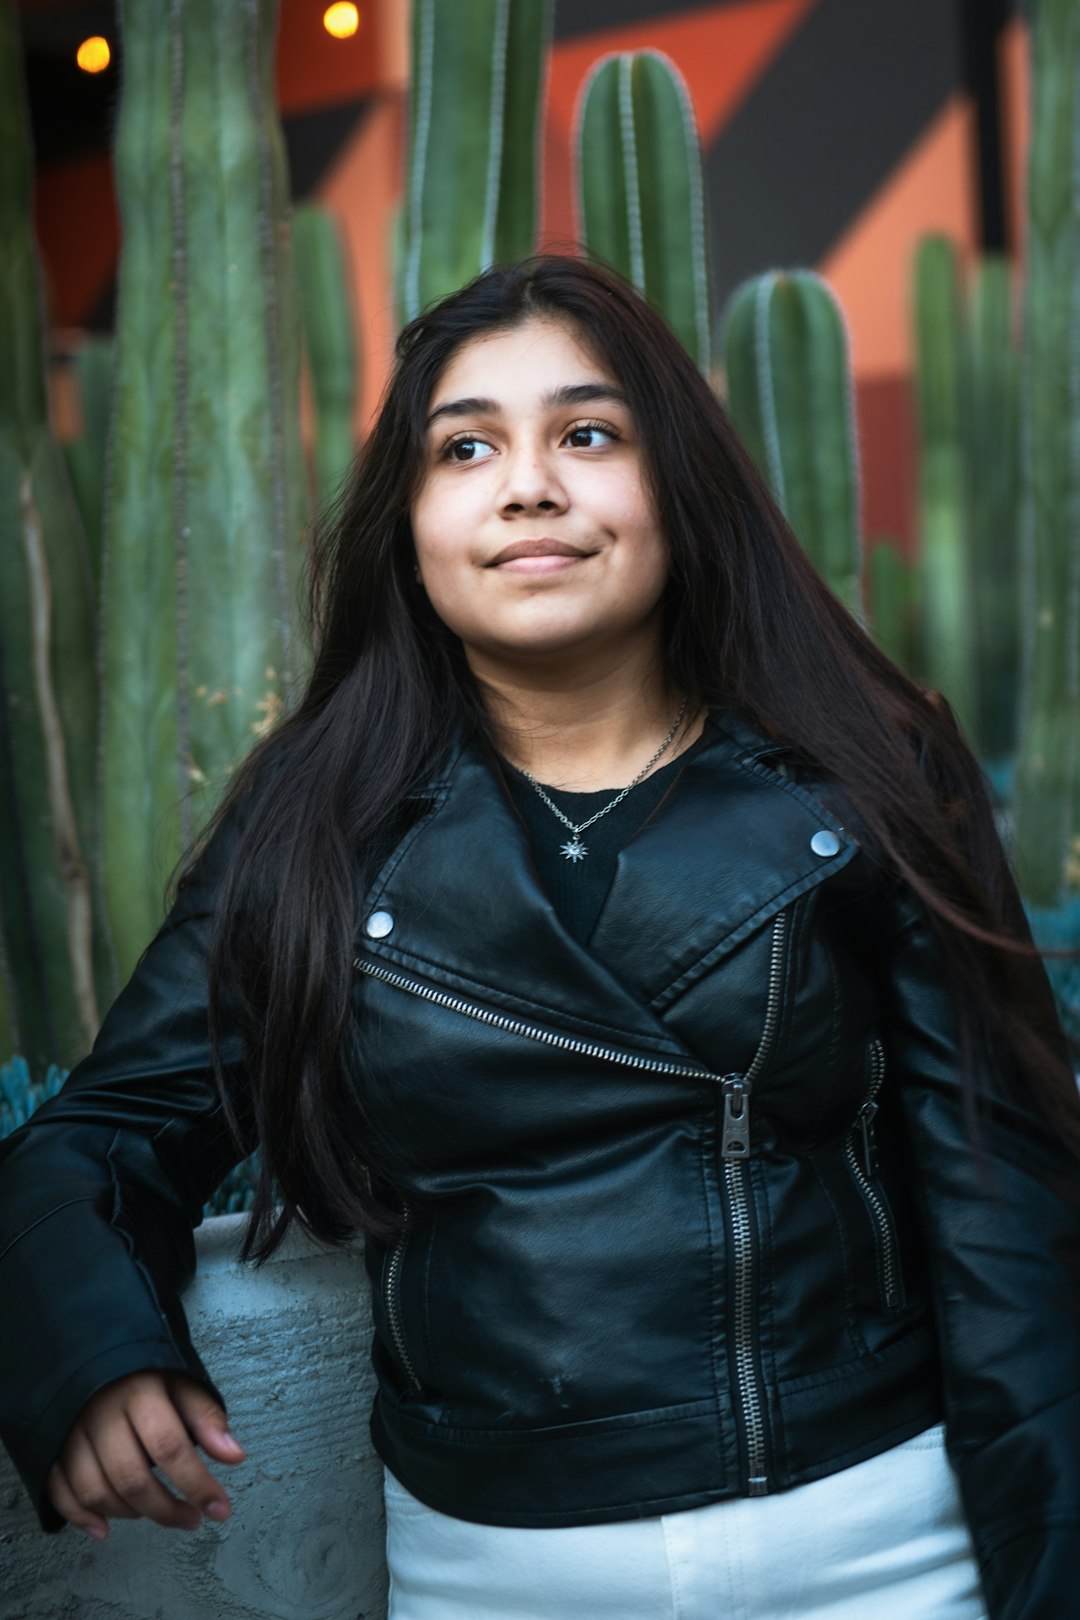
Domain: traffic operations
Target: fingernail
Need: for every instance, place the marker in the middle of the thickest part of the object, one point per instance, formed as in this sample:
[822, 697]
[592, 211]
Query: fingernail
[96, 1531]
[218, 1511]
[231, 1440]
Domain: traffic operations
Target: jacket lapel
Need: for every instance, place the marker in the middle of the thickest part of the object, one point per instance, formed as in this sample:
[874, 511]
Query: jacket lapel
[731, 843]
[728, 845]
[468, 912]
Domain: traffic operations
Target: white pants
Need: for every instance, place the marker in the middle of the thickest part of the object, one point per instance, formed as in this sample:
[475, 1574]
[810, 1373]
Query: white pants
[886, 1538]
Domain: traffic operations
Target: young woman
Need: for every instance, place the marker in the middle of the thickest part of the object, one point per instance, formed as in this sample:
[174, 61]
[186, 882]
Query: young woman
[622, 943]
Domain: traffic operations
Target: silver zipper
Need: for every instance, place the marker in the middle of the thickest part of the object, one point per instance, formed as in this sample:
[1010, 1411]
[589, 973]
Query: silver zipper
[864, 1173]
[735, 1136]
[750, 1399]
[735, 1149]
[393, 1313]
[532, 1032]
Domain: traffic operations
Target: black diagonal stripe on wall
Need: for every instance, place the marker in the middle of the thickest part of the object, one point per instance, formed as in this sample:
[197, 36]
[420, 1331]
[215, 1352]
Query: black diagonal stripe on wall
[313, 140]
[820, 132]
[576, 17]
[981, 22]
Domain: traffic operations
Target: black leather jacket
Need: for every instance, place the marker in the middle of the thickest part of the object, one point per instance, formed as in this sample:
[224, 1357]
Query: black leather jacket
[693, 1209]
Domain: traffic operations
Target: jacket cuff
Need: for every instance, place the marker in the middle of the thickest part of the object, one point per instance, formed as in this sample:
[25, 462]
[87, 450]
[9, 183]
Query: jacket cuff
[83, 1311]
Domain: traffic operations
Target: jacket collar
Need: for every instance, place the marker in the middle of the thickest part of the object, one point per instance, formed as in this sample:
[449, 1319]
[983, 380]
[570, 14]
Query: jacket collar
[727, 847]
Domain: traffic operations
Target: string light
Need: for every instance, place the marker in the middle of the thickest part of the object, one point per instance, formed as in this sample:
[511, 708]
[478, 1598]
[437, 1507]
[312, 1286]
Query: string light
[341, 20]
[94, 55]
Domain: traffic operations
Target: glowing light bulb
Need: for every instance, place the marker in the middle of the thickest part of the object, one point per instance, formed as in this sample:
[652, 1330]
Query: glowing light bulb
[94, 55]
[341, 20]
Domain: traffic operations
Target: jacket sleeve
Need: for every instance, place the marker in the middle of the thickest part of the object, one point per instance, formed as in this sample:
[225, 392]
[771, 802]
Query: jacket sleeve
[99, 1194]
[1002, 1230]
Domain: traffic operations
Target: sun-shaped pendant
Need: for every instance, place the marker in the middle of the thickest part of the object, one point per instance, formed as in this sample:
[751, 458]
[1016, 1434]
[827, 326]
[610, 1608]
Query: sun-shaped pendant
[575, 850]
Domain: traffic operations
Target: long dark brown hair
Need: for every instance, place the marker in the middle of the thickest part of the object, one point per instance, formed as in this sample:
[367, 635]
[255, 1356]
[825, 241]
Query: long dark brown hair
[749, 624]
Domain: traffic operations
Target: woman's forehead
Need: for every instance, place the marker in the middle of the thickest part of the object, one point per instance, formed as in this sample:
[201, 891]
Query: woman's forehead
[540, 347]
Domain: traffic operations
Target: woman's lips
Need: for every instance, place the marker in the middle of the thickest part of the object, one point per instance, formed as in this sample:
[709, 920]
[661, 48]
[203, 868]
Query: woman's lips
[541, 555]
[541, 545]
[545, 562]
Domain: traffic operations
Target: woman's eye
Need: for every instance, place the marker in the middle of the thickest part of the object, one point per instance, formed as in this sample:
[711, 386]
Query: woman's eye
[587, 429]
[470, 446]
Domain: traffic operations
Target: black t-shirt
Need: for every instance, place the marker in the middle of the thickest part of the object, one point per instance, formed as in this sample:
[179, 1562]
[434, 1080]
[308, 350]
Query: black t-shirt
[577, 887]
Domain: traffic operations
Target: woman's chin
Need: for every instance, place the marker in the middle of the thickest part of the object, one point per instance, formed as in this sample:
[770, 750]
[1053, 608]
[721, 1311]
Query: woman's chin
[536, 643]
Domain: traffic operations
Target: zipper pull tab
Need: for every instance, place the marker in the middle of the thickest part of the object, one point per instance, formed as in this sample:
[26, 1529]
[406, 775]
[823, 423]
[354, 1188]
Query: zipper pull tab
[735, 1136]
[865, 1122]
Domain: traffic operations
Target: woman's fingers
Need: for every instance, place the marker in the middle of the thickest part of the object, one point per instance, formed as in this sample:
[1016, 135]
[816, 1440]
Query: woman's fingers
[154, 1435]
[69, 1507]
[80, 1491]
[130, 1427]
[204, 1419]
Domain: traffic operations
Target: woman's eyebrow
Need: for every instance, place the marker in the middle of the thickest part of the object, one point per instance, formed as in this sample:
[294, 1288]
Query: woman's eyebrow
[569, 394]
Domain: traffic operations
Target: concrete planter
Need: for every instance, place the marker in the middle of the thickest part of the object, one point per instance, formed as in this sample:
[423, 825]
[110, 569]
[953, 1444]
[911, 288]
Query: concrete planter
[288, 1346]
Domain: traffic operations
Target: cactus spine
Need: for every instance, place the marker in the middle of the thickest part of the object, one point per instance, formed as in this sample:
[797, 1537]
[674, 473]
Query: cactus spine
[471, 198]
[948, 635]
[207, 490]
[790, 395]
[640, 195]
[1047, 795]
[330, 339]
[48, 700]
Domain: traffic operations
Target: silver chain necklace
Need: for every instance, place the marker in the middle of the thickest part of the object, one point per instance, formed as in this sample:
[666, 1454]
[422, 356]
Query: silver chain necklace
[574, 849]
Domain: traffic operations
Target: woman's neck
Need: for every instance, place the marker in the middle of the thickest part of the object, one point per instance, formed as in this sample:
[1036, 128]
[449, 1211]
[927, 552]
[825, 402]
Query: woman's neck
[587, 737]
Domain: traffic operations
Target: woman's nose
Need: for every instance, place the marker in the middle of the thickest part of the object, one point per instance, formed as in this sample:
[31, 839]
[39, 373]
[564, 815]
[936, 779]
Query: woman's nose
[531, 482]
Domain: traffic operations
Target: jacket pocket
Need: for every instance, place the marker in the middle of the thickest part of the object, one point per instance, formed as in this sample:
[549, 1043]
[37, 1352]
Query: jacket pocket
[860, 1153]
[392, 1276]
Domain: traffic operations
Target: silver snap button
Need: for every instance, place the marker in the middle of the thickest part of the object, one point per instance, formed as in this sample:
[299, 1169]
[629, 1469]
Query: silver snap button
[378, 925]
[825, 842]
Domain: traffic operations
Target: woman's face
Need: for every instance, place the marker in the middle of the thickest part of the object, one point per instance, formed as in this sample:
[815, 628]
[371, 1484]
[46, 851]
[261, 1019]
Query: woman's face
[534, 530]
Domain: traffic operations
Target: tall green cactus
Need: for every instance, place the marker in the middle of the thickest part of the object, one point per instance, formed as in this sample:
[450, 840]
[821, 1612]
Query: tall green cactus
[993, 449]
[48, 701]
[330, 339]
[640, 194]
[207, 489]
[790, 395]
[948, 658]
[471, 196]
[894, 603]
[1047, 793]
[85, 456]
